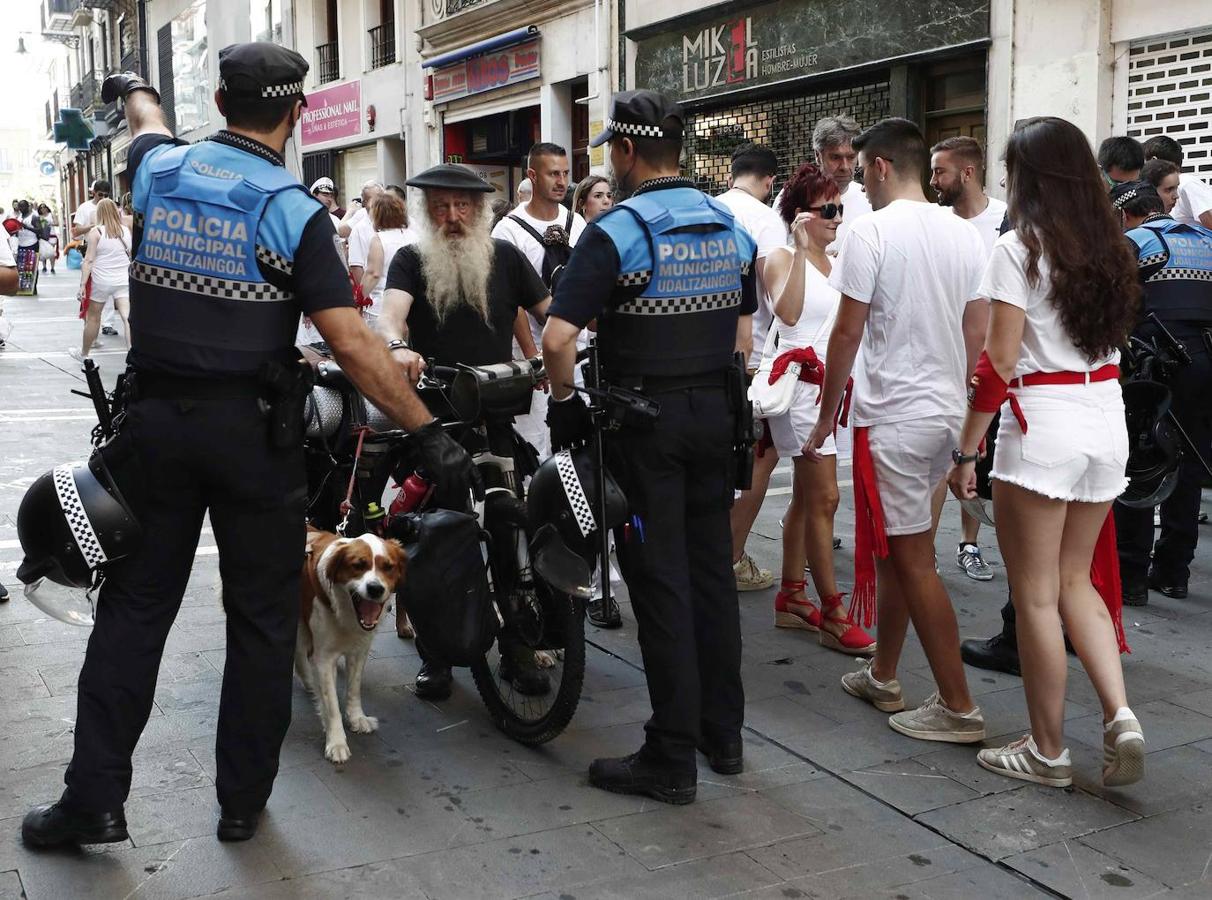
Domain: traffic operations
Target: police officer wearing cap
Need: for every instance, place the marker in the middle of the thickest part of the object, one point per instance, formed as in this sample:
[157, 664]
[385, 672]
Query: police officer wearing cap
[668, 275]
[228, 250]
[1175, 261]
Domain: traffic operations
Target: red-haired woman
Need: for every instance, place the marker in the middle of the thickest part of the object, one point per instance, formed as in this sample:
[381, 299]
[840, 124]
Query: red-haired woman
[804, 309]
[1064, 291]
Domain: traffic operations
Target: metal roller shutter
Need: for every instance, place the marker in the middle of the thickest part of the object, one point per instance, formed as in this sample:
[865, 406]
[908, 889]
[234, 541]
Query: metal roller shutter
[1170, 93]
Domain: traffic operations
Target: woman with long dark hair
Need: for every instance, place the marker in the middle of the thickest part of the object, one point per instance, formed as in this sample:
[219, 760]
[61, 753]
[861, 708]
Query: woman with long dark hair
[592, 197]
[1064, 294]
[805, 306]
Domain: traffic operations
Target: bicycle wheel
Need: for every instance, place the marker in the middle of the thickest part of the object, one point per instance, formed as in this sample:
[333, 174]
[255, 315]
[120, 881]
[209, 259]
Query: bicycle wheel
[539, 620]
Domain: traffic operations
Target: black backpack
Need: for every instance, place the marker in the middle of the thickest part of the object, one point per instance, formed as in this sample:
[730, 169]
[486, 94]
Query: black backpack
[556, 248]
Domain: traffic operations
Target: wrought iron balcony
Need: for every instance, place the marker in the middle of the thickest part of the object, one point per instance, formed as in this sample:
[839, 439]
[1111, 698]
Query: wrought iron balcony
[382, 45]
[86, 92]
[328, 63]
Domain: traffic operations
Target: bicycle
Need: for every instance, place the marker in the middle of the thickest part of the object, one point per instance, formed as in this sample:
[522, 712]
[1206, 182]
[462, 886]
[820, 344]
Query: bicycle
[354, 454]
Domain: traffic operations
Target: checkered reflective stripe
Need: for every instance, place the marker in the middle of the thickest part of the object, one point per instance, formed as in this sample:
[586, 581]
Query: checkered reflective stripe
[1182, 275]
[618, 127]
[631, 279]
[208, 285]
[744, 267]
[281, 90]
[274, 260]
[575, 493]
[77, 518]
[1169, 82]
[1120, 201]
[678, 306]
[1151, 260]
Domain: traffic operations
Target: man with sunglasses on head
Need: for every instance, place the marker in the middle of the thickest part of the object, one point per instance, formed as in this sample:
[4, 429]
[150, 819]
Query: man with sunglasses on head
[908, 275]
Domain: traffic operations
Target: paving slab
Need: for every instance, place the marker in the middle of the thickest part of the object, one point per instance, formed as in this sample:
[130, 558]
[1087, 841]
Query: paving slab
[668, 835]
[1007, 824]
[1175, 847]
[720, 876]
[10, 886]
[1074, 870]
[910, 786]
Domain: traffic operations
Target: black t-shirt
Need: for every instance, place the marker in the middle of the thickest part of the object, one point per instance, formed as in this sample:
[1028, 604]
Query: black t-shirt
[464, 337]
[319, 279]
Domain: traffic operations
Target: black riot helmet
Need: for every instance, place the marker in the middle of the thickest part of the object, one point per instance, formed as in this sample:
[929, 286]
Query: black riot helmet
[562, 504]
[1154, 453]
[72, 521]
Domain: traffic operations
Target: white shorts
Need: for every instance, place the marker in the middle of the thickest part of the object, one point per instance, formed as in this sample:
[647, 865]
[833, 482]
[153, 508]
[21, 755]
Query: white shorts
[911, 459]
[1076, 445]
[790, 431]
[103, 292]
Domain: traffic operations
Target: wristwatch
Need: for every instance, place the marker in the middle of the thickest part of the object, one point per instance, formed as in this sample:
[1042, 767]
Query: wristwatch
[398, 344]
[961, 459]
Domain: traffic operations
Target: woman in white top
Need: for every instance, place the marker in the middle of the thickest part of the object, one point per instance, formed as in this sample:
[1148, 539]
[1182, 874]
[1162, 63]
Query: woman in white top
[1064, 294]
[390, 219]
[107, 263]
[804, 309]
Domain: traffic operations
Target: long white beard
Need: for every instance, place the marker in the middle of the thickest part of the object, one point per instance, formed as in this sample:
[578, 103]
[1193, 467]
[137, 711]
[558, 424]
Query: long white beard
[457, 268]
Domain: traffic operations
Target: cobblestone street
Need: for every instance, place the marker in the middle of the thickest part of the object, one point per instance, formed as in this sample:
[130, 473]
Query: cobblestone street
[438, 804]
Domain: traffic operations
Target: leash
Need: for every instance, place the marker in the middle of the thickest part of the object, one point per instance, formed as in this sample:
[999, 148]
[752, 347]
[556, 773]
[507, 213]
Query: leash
[347, 504]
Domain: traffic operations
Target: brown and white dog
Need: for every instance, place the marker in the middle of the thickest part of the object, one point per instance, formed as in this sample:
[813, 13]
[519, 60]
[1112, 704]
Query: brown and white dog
[347, 583]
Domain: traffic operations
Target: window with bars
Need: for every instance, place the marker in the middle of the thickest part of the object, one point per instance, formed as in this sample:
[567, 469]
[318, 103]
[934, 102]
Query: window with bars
[784, 124]
[1170, 93]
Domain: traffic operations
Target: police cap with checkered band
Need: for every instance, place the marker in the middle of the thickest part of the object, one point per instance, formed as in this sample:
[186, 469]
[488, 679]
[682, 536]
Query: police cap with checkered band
[260, 70]
[641, 114]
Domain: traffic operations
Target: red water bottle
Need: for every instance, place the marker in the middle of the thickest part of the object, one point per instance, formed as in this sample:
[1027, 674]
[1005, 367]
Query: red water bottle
[411, 495]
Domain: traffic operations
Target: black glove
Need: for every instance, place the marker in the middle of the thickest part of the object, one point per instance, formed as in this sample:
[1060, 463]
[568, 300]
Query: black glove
[570, 422]
[120, 84]
[449, 465]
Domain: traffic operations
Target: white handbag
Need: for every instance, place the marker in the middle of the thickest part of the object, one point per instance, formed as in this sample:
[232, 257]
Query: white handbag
[776, 399]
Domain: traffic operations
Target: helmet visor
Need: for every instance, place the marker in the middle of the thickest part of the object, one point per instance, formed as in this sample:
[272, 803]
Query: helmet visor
[72, 605]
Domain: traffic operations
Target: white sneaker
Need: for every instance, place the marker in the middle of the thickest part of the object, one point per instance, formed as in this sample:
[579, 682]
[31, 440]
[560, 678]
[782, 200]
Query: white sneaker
[1123, 750]
[933, 721]
[75, 354]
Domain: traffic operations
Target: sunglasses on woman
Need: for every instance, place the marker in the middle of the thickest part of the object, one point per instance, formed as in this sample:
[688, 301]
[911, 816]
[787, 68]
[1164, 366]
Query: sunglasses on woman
[827, 210]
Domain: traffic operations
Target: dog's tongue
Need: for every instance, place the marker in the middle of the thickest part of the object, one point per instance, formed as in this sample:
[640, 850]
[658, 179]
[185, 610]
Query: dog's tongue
[368, 612]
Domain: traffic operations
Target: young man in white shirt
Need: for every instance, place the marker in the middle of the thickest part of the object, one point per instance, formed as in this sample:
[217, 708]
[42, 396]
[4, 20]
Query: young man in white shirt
[908, 274]
[1194, 203]
[753, 169]
[540, 219]
[957, 174]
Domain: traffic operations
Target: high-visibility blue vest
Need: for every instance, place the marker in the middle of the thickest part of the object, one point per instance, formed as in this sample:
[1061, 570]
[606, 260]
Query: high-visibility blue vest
[211, 215]
[1175, 261]
[688, 252]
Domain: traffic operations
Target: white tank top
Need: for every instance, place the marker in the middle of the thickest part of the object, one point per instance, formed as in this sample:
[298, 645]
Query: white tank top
[113, 258]
[816, 319]
[393, 239]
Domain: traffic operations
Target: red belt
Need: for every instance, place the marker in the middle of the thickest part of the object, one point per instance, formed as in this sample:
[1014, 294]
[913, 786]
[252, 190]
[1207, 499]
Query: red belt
[1106, 373]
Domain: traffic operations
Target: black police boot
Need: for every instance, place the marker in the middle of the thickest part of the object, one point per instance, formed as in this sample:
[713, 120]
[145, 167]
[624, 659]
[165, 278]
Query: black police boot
[638, 774]
[604, 614]
[1134, 591]
[519, 668]
[725, 757]
[434, 682]
[55, 825]
[235, 826]
[1170, 585]
[3, 594]
[997, 654]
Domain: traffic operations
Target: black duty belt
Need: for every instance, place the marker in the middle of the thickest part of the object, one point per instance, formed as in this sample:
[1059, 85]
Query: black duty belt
[663, 384]
[178, 387]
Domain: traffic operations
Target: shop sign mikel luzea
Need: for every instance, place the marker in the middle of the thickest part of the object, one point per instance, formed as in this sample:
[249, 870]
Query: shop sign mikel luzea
[794, 38]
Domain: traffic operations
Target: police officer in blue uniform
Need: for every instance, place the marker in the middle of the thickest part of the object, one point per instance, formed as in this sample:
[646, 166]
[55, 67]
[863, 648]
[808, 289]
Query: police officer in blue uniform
[1176, 270]
[228, 250]
[669, 277]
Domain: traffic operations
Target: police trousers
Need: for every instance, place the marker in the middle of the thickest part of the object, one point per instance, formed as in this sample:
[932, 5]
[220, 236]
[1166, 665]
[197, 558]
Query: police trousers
[1175, 545]
[677, 561]
[197, 456]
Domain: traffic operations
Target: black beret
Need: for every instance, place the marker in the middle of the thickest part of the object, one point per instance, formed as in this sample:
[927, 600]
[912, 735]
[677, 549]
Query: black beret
[641, 114]
[450, 178]
[261, 71]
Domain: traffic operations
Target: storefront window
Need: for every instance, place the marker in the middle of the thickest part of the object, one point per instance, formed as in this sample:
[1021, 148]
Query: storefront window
[191, 68]
[265, 20]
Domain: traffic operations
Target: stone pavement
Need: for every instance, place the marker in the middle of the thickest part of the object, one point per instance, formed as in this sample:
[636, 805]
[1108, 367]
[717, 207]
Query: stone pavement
[833, 803]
